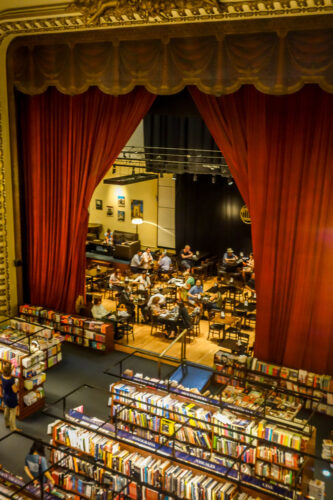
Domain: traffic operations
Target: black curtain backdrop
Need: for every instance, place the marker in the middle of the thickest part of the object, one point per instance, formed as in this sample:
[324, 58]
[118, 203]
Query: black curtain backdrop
[208, 215]
[174, 122]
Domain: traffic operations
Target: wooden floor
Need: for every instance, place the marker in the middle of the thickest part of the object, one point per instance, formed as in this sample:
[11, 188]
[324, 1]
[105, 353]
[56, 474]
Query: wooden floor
[200, 350]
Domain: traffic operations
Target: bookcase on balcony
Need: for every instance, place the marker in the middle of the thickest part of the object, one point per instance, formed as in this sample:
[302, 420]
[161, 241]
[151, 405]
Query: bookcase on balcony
[75, 329]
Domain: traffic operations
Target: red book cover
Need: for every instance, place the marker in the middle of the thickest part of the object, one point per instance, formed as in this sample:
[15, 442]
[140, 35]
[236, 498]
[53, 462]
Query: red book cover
[132, 491]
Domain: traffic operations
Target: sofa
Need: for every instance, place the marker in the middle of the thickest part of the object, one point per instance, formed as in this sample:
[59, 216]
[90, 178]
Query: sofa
[125, 244]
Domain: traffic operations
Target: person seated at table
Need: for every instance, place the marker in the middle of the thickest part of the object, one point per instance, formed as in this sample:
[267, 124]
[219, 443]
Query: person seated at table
[147, 258]
[98, 311]
[136, 262]
[184, 319]
[108, 238]
[115, 281]
[250, 285]
[230, 260]
[215, 301]
[195, 292]
[189, 282]
[125, 298]
[164, 263]
[248, 267]
[143, 281]
[161, 297]
[155, 308]
[186, 256]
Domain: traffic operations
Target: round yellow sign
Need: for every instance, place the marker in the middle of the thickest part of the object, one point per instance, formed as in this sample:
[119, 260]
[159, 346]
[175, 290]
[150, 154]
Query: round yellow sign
[245, 215]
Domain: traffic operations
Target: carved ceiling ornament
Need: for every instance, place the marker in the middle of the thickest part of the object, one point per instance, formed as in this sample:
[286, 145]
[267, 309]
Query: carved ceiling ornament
[146, 9]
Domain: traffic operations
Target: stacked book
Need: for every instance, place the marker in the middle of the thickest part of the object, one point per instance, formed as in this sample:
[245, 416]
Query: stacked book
[303, 383]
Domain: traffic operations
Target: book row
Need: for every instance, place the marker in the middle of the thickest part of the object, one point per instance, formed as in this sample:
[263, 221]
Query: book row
[221, 422]
[172, 480]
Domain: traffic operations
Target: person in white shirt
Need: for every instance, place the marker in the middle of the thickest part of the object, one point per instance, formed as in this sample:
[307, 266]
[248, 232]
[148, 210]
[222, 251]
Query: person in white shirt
[136, 262]
[161, 297]
[143, 280]
[97, 310]
[147, 258]
[115, 280]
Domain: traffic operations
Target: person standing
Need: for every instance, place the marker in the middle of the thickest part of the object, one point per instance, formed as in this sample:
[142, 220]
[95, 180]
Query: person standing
[136, 262]
[147, 258]
[36, 464]
[9, 390]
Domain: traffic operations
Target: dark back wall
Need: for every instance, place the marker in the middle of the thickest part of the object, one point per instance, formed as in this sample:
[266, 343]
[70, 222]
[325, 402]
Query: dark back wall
[208, 215]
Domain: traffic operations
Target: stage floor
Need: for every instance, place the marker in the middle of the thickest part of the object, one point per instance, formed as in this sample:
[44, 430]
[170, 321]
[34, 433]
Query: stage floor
[199, 350]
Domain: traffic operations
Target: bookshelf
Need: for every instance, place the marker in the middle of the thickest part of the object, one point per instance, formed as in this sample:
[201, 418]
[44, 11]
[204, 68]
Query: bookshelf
[317, 390]
[258, 453]
[126, 469]
[11, 483]
[75, 329]
[28, 369]
[31, 337]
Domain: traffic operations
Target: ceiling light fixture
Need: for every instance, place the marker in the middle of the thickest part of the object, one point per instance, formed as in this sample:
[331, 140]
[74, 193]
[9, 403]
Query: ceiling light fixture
[230, 181]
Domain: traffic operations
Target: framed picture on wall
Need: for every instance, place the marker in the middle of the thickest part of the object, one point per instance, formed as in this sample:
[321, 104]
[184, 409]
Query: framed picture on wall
[99, 204]
[137, 209]
[121, 215]
[109, 211]
[121, 201]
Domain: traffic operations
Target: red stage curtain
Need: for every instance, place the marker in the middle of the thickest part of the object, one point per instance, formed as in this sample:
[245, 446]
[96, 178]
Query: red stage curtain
[68, 143]
[280, 152]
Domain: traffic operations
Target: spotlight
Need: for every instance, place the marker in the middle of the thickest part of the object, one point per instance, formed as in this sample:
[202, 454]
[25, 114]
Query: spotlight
[230, 181]
[326, 473]
[195, 178]
[174, 177]
[213, 179]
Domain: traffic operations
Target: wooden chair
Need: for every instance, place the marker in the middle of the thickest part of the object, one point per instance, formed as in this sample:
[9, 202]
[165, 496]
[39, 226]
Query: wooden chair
[214, 328]
[156, 326]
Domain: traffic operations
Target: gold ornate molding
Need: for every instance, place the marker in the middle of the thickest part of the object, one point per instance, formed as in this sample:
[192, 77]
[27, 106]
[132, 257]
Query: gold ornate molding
[92, 14]
[4, 274]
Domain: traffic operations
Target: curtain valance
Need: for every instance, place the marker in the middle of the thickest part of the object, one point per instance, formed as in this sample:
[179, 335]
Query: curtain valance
[273, 64]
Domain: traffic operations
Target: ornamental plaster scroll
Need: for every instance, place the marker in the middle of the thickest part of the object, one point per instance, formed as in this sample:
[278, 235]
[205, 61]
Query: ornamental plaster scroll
[88, 14]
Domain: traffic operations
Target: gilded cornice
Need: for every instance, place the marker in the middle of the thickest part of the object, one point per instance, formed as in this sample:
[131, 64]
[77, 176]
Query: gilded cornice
[89, 14]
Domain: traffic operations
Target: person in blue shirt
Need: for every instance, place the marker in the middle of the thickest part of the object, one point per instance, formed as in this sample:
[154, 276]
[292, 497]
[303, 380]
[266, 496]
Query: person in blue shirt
[195, 291]
[36, 464]
[9, 391]
[164, 264]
